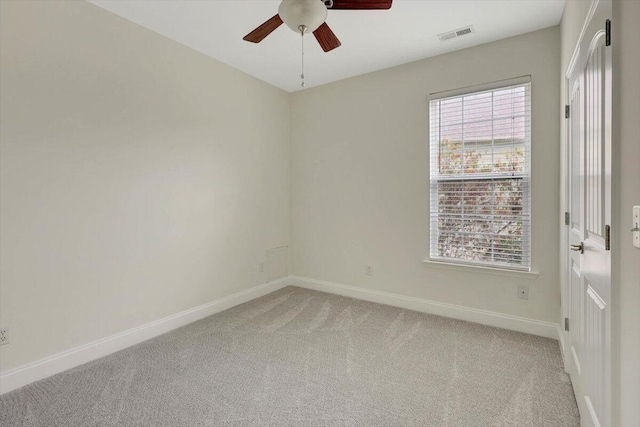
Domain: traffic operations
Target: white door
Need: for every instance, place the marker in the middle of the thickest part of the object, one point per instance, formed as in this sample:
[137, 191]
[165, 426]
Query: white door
[589, 259]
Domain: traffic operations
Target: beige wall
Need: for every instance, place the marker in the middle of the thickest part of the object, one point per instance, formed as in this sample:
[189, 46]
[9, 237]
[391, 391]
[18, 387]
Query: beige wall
[626, 193]
[139, 177]
[626, 264]
[360, 178]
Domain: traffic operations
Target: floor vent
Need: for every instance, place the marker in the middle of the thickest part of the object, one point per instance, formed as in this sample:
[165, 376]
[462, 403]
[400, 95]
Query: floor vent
[456, 33]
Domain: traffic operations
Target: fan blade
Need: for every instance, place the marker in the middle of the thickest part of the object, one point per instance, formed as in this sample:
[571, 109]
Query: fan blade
[257, 35]
[328, 41]
[361, 4]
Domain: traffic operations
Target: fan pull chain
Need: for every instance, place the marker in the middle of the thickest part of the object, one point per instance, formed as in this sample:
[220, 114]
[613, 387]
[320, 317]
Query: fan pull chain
[302, 29]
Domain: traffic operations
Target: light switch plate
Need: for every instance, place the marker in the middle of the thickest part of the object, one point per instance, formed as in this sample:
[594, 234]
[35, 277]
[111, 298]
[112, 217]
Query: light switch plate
[635, 226]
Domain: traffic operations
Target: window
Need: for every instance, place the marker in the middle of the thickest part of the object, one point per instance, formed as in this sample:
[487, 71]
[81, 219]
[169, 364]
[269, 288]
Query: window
[480, 176]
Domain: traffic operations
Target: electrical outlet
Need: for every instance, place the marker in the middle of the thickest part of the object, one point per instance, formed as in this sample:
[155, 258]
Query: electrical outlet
[4, 336]
[368, 270]
[523, 292]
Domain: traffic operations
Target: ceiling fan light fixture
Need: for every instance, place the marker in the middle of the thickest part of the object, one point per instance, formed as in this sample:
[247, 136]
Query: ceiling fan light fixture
[308, 13]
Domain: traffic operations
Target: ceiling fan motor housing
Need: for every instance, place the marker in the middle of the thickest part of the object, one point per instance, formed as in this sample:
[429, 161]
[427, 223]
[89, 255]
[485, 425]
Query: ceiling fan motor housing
[308, 13]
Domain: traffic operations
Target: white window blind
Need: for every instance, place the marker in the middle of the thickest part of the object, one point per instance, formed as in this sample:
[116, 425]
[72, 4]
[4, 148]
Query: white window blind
[480, 155]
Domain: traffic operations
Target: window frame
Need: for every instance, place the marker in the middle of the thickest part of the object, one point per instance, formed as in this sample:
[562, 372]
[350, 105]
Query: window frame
[527, 177]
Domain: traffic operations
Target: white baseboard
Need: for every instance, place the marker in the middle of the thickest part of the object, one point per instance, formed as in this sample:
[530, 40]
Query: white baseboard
[505, 321]
[21, 376]
[560, 333]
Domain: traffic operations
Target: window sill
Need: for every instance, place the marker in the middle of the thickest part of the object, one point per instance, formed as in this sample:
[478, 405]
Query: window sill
[530, 275]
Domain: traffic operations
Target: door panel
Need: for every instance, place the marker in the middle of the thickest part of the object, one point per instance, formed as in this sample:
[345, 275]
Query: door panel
[596, 331]
[595, 266]
[589, 266]
[577, 301]
[594, 148]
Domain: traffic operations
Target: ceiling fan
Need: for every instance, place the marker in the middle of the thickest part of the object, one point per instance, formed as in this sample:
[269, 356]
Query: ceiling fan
[304, 16]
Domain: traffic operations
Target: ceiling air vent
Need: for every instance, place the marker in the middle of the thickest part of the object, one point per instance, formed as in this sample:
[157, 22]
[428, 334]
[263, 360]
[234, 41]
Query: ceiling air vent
[456, 33]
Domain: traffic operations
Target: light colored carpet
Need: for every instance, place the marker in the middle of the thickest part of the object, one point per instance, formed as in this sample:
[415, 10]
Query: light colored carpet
[302, 358]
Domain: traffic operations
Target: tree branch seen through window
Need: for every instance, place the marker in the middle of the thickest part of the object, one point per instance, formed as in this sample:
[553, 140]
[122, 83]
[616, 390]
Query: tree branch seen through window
[480, 209]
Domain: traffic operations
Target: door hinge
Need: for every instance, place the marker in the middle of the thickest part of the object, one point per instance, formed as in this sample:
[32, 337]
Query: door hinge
[566, 218]
[566, 324]
[566, 111]
[607, 27]
[607, 238]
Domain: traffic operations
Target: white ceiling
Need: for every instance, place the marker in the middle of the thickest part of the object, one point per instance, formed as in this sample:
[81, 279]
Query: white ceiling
[371, 40]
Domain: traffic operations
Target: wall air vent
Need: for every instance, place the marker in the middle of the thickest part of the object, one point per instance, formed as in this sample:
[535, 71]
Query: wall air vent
[456, 33]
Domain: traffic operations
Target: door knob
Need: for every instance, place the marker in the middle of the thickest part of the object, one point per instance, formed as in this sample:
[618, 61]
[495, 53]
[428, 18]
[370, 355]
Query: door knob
[579, 247]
